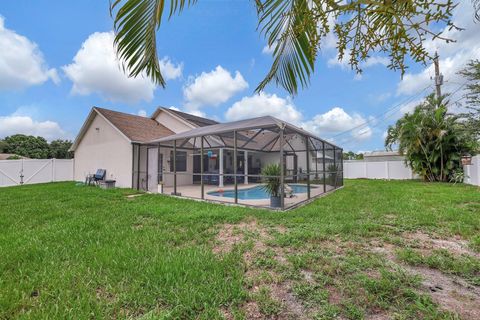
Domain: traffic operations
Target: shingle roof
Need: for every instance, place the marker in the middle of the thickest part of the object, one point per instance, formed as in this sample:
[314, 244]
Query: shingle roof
[136, 128]
[5, 156]
[195, 120]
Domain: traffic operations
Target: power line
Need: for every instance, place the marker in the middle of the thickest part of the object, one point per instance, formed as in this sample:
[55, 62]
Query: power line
[350, 140]
[402, 103]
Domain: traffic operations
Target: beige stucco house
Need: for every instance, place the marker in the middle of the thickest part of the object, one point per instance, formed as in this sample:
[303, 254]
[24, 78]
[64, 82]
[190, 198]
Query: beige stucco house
[178, 153]
[108, 140]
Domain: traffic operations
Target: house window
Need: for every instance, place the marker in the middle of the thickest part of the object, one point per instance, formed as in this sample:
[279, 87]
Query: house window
[181, 161]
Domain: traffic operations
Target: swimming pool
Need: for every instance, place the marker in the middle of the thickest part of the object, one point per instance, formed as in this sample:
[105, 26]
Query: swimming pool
[255, 193]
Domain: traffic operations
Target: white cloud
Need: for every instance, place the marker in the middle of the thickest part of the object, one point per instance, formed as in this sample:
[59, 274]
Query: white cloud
[378, 98]
[268, 49]
[327, 124]
[410, 106]
[212, 88]
[264, 104]
[368, 63]
[331, 40]
[453, 55]
[96, 69]
[337, 120]
[21, 62]
[335, 62]
[169, 70]
[142, 113]
[197, 113]
[375, 60]
[23, 124]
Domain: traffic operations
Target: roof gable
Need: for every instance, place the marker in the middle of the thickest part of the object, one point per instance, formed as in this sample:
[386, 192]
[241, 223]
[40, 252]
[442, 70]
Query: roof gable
[133, 128]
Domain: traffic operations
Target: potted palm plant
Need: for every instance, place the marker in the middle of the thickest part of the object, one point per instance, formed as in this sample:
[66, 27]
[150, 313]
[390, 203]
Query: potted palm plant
[271, 177]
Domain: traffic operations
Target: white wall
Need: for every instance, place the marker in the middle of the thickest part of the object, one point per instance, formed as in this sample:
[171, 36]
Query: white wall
[35, 171]
[396, 170]
[173, 123]
[472, 172]
[105, 148]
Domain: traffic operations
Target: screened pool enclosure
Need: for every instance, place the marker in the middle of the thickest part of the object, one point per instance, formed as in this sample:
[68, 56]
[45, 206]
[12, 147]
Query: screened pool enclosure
[226, 162]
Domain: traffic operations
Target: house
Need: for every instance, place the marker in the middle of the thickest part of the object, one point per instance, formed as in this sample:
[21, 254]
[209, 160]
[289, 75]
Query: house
[108, 138]
[8, 156]
[178, 153]
[375, 156]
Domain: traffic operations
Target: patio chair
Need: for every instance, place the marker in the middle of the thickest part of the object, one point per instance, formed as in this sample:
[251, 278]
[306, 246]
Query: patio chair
[210, 179]
[96, 178]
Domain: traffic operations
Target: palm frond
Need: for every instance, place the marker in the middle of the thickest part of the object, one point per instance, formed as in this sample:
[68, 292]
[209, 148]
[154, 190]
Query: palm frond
[135, 25]
[290, 28]
[476, 7]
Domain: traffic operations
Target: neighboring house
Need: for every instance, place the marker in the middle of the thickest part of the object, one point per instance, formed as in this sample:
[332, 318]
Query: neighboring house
[6, 156]
[382, 156]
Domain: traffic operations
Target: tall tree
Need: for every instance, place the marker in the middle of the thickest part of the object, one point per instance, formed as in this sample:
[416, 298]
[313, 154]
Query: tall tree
[431, 139]
[295, 30]
[350, 155]
[28, 146]
[472, 75]
[59, 149]
[3, 146]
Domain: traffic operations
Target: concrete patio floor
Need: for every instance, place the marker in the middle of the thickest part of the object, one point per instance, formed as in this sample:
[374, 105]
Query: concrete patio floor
[194, 191]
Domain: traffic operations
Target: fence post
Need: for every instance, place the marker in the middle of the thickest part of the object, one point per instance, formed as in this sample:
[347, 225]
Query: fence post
[53, 169]
[366, 169]
[387, 170]
[21, 173]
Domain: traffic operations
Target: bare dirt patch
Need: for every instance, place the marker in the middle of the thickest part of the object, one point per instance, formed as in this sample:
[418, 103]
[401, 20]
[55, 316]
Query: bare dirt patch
[455, 245]
[378, 316]
[449, 292]
[234, 234]
[291, 307]
[227, 314]
[227, 238]
[281, 229]
[252, 311]
[335, 296]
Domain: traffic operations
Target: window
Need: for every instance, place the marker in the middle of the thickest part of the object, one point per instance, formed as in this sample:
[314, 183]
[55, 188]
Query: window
[181, 161]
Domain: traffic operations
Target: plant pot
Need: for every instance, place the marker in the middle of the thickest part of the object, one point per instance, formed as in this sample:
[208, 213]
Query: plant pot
[275, 202]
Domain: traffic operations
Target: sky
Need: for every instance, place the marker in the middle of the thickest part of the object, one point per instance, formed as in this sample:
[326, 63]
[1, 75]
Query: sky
[57, 62]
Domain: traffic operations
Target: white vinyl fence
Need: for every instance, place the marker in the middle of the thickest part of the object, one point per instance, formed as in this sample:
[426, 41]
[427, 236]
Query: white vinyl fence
[472, 172]
[392, 169]
[30, 171]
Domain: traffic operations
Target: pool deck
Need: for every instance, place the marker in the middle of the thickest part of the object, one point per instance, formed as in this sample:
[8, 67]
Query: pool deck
[194, 191]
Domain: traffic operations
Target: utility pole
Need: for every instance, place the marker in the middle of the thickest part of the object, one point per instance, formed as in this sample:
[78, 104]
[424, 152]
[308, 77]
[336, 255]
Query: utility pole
[438, 76]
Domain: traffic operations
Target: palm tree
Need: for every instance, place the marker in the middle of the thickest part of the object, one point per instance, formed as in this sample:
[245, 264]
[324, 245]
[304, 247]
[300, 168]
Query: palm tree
[295, 30]
[431, 139]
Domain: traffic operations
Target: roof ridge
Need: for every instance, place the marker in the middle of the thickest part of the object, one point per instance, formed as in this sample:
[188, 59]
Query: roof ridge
[125, 113]
[189, 114]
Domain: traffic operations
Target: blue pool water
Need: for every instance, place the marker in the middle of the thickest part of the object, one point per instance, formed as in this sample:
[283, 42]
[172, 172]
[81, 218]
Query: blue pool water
[256, 192]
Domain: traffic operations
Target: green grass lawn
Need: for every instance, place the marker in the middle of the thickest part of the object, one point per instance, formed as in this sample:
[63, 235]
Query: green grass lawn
[70, 251]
